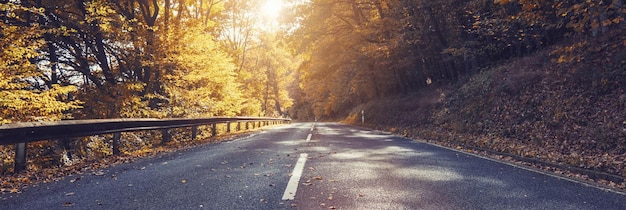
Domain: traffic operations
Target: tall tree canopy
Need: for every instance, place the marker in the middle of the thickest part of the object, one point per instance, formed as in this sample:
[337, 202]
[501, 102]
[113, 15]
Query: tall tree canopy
[361, 50]
[181, 58]
[138, 58]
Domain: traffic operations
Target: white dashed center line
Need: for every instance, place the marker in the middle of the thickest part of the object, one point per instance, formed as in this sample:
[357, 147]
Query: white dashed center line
[308, 138]
[292, 186]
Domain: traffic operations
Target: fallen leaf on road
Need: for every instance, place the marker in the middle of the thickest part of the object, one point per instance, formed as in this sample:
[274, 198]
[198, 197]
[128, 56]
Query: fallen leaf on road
[317, 178]
[69, 194]
[74, 180]
[332, 207]
[68, 204]
[183, 181]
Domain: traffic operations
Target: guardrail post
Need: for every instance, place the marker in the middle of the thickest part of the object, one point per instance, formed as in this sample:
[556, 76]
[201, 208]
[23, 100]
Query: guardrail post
[20, 157]
[194, 132]
[238, 126]
[228, 127]
[166, 136]
[213, 129]
[247, 125]
[116, 143]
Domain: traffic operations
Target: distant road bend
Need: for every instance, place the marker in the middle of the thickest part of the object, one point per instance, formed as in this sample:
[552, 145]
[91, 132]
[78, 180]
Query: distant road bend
[315, 166]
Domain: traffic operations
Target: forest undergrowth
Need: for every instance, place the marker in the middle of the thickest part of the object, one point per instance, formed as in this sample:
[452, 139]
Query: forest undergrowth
[564, 106]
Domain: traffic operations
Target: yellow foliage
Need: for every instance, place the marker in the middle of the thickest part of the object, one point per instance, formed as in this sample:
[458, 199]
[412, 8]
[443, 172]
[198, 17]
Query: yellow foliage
[203, 83]
[20, 100]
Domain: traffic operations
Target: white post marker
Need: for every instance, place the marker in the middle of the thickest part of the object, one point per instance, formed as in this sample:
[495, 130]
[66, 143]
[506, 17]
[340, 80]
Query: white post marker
[292, 186]
[362, 116]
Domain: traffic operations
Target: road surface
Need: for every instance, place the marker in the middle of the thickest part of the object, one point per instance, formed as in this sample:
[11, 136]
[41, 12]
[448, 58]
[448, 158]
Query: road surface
[315, 166]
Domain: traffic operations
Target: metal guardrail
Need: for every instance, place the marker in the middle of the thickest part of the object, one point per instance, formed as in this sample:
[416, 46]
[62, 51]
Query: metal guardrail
[22, 133]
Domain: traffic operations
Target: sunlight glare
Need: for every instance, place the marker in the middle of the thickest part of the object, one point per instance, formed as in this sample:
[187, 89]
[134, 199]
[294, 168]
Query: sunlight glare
[271, 9]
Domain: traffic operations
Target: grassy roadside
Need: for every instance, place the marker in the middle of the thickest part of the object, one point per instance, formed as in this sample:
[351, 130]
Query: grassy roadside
[563, 106]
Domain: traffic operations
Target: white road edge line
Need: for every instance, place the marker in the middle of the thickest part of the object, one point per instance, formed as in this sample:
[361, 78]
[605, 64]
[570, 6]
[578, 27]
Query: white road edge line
[527, 168]
[292, 186]
[308, 138]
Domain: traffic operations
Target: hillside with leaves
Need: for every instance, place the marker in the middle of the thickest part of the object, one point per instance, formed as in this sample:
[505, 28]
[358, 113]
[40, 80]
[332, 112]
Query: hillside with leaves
[357, 51]
[567, 112]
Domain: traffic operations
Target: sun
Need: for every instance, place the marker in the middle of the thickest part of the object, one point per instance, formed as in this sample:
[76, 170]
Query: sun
[271, 9]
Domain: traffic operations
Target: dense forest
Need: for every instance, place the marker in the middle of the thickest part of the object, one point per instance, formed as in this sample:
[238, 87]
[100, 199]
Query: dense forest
[357, 51]
[145, 58]
[181, 58]
[316, 59]
[99, 59]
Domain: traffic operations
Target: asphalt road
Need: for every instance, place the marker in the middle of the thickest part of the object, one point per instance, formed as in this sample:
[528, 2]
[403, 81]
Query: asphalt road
[342, 167]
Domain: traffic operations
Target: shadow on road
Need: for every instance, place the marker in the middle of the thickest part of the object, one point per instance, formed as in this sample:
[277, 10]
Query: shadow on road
[351, 168]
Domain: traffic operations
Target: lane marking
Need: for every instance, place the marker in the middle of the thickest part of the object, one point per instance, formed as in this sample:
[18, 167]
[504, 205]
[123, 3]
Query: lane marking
[528, 168]
[292, 186]
[313, 126]
[308, 138]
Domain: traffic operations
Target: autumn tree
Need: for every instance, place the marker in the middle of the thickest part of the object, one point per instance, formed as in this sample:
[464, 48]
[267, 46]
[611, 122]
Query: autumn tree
[203, 81]
[266, 75]
[28, 93]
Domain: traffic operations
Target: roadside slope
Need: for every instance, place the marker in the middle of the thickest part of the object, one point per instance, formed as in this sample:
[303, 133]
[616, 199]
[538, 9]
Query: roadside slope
[563, 105]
